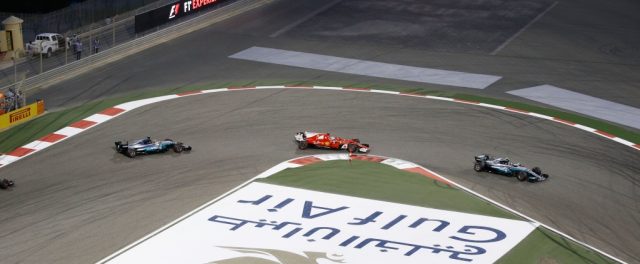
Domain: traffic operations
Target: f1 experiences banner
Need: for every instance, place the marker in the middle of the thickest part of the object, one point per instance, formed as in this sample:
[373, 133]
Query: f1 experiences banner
[162, 15]
[264, 223]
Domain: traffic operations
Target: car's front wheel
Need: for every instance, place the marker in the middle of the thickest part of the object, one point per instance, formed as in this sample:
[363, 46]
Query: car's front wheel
[352, 148]
[537, 170]
[177, 148]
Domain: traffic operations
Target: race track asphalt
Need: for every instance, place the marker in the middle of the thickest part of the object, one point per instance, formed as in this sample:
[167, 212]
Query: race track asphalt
[79, 201]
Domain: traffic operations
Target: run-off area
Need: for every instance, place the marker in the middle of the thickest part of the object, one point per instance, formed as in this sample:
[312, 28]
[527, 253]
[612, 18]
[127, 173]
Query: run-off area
[442, 25]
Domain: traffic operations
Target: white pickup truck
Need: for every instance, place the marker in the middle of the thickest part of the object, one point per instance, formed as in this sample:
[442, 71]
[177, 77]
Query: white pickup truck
[47, 44]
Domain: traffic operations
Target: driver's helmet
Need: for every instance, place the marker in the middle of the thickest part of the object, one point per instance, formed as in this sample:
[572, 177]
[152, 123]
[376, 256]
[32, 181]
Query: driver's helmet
[147, 140]
[504, 161]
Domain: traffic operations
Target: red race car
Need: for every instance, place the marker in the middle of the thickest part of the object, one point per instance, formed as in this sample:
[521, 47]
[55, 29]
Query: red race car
[325, 140]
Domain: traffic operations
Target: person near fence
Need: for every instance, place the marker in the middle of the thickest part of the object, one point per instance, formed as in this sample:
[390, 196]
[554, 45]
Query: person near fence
[10, 100]
[2, 104]
[74, 46]
[96, 45]
[20, 101]
[78, 49]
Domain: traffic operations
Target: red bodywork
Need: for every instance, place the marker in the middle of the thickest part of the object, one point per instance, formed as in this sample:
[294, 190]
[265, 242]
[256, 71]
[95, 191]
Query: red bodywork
[325, 140]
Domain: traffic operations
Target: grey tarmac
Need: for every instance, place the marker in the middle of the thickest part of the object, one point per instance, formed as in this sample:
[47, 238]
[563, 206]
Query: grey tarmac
[79, 201]
[100, 201]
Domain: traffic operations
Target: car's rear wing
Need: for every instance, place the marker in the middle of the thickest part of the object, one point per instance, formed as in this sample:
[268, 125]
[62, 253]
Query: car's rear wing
[121, 147]
[483, 157]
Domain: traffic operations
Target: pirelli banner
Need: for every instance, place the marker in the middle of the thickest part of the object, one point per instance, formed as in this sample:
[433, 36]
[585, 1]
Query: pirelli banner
[170, 12]
[20, 115]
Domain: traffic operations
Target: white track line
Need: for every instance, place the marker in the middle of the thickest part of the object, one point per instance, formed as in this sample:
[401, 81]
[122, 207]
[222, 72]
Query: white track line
[499, 48]
[397, 163]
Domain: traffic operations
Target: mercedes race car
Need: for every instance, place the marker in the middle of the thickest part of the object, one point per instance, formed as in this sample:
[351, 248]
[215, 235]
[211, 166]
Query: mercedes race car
[6, 184]
[503, 166]
[148, 146]
[327, 141]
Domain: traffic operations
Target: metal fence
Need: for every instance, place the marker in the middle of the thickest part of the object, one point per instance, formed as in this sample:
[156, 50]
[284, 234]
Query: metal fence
[117, 40]
[108, 23]
[79, 15]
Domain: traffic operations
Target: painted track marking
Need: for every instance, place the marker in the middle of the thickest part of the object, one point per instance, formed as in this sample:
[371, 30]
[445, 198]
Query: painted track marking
[118, 110]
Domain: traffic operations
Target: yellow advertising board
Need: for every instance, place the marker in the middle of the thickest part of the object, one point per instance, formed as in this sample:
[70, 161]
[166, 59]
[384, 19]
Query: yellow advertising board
[22, 114]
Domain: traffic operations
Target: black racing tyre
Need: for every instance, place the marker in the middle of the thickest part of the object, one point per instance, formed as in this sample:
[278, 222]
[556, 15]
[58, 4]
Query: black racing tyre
[303, 144]
[131, 153]
[177, 148]
[118, 148]
[522, 176]
[352, 148]
[479, 166]
[537, 170]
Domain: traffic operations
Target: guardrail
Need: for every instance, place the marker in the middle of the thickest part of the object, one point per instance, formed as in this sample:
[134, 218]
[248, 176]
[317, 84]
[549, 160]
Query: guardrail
[162, 34]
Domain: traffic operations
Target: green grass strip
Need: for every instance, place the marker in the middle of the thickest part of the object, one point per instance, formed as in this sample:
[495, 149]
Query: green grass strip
[544, 246]
[382, 182]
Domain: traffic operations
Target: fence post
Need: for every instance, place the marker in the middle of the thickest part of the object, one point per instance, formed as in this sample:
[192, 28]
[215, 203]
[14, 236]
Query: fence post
[66, 47]
[41, 57]
[15, 70]
[113, 31]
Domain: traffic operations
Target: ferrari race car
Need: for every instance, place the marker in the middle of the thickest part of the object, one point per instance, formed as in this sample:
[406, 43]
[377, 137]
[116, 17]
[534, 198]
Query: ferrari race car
[503, 166]
[6, 184]
[325, 140]
[148, 146]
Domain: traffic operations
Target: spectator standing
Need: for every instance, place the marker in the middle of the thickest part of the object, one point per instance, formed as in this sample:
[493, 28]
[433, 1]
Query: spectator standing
[96, 45]
[10, 100]
[74, 45]
[20, 101]
[2, 104]
[78, 50]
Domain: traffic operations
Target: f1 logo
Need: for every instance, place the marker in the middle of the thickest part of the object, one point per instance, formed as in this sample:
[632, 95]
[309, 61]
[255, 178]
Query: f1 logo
[174, 11]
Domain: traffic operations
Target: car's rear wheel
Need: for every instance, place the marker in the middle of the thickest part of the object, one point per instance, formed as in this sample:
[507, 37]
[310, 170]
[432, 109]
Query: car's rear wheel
[522, 176]
[303, 144]
[479, 166]
[131, 153]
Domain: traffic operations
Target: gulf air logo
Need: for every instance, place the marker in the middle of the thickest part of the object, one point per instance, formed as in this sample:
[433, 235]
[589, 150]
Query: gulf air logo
[174, 10]
[267, 256]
